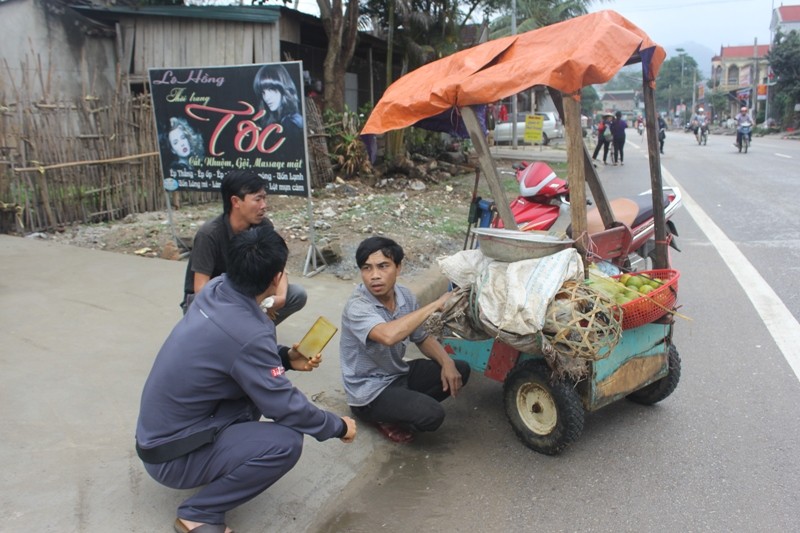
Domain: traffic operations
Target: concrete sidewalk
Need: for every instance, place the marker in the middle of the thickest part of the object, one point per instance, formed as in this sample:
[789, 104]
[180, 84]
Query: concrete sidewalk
[80, 329]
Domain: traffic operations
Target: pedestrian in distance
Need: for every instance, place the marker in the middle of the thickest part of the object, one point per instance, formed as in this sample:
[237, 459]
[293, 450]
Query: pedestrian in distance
[603, 138]
[244, 204]
[399, 397]
[618, 127]
[218, 372]
[662, 133]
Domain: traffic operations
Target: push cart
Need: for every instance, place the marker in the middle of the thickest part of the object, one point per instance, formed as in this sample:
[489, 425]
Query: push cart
[546, 408]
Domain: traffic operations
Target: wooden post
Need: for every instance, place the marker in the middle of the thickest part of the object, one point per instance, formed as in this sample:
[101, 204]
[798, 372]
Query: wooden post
[660, 259]
[575, 174]
[487, 165]
[589, 172]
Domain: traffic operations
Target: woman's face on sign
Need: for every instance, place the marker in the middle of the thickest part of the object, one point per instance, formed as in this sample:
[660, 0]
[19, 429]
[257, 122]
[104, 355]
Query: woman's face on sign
[272, 98]
[179, 143]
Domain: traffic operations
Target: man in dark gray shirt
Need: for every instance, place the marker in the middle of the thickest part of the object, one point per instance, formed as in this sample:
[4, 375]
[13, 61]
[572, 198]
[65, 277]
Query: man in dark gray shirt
[244, 200]
[217, 373]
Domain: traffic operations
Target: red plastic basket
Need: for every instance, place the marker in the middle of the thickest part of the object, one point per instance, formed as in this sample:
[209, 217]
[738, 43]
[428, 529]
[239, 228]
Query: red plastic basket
[653, 305]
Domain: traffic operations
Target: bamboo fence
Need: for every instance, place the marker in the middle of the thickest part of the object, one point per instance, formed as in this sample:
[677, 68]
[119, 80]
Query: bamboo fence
[89, 160]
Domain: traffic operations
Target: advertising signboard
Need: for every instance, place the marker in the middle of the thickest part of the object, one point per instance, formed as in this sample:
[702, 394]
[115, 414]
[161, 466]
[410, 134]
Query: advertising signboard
[211, 120]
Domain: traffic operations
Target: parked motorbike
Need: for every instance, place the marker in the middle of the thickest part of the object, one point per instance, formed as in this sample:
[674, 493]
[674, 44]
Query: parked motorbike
[744, 132]
[543, 205]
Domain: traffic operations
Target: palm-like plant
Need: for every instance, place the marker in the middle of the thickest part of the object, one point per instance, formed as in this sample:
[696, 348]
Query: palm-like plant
[532, 14]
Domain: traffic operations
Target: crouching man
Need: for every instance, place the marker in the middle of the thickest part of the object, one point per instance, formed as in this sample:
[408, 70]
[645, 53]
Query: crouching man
[398, 396]
[218, 371]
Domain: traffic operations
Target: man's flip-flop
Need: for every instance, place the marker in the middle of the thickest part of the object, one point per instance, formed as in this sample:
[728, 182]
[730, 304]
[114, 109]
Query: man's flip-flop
[180, 527]
[395, 433]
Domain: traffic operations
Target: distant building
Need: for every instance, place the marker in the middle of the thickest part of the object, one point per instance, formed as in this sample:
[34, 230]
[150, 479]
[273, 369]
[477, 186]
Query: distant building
[626, 100]
[736, 70]
[785, 19]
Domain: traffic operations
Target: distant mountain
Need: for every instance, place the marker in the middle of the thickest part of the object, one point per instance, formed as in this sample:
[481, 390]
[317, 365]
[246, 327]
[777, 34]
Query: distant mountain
[701, 54]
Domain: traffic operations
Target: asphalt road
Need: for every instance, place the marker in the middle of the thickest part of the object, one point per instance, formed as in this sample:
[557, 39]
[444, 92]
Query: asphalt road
[722, 453]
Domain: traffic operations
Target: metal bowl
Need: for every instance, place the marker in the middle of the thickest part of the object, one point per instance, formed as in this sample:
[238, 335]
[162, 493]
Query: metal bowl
[511, 245]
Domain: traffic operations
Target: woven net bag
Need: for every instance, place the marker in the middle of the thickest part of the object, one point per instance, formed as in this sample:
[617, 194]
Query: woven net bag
[582, 322]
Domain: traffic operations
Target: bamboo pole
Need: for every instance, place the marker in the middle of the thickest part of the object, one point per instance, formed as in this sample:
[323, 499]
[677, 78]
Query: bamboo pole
[575, 174]
[42, 168]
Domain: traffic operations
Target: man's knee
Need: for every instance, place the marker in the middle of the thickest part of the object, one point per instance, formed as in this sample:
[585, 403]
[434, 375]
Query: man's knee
[464, 369]
[430, 418]
[297, 296]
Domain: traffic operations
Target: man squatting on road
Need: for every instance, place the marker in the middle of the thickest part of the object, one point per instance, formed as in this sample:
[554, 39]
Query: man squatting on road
[216, 374]
[378, 321]
[244, 204]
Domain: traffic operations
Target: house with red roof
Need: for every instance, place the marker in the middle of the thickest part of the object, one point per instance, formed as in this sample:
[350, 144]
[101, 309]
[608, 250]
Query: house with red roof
[785, 19]
[736, 70]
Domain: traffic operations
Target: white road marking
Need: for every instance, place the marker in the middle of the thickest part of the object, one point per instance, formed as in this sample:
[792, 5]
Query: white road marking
[783, 155]
[780, 322]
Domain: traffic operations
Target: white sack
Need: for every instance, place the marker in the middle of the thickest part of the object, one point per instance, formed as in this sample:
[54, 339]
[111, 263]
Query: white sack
[514, 296]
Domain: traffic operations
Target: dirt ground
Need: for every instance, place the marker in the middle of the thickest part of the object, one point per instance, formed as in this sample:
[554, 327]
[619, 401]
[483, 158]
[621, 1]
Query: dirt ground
[427, 217]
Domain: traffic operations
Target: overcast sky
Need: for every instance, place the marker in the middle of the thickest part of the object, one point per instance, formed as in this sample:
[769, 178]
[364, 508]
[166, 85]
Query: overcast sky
[671, 23]
[711, 23]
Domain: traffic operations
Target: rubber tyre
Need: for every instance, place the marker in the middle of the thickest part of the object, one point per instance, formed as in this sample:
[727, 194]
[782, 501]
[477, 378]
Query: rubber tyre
[545, 139]
[658, 390]
[547, 416]
[746, 144]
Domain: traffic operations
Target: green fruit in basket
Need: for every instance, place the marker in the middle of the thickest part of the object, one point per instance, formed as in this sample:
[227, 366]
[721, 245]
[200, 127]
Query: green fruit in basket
[624, 278]
[644, 289]
[634, 282]
[657, 282]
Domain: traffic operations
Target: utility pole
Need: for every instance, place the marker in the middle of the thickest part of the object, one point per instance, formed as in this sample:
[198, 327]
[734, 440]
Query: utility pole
[514, 98]
[755, 81]
[682, 53]
[694, 87]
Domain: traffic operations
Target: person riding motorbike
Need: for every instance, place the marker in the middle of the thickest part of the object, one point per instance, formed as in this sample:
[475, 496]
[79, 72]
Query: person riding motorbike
[699, 123]
[743, 119]
[640, 124]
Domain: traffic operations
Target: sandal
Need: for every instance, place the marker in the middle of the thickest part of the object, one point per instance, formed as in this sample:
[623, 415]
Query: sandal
[395, 433]
[180, 527]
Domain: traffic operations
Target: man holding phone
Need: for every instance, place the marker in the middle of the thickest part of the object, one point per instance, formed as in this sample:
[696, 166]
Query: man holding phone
[217, 373]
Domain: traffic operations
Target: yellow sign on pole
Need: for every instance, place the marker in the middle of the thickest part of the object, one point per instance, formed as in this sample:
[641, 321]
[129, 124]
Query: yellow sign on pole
[533, 128]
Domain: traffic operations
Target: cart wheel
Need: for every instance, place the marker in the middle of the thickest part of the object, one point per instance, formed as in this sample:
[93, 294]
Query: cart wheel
[657, 391]
[546, 416]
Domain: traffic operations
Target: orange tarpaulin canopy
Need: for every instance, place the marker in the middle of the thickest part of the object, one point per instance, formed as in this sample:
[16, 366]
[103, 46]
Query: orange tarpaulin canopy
[565, 56]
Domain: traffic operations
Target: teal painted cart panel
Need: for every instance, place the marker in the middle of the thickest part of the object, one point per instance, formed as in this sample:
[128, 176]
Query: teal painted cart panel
[640, 358]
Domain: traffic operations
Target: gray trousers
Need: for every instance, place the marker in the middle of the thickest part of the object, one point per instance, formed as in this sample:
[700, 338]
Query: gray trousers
[244, 461]
[296, 298]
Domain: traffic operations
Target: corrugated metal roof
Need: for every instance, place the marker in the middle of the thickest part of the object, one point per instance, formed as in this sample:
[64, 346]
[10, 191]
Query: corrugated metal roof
[256, 14]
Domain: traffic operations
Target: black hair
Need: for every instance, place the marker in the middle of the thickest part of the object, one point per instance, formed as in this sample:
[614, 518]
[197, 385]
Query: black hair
[387, 246]
[275, 77]
[255, 257]
[239, 183]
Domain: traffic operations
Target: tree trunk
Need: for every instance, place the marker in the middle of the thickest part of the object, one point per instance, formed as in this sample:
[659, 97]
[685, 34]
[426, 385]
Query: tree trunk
[341, 27]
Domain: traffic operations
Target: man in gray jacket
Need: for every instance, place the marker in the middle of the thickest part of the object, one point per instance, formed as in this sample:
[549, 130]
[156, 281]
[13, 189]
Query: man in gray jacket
[217, 373]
